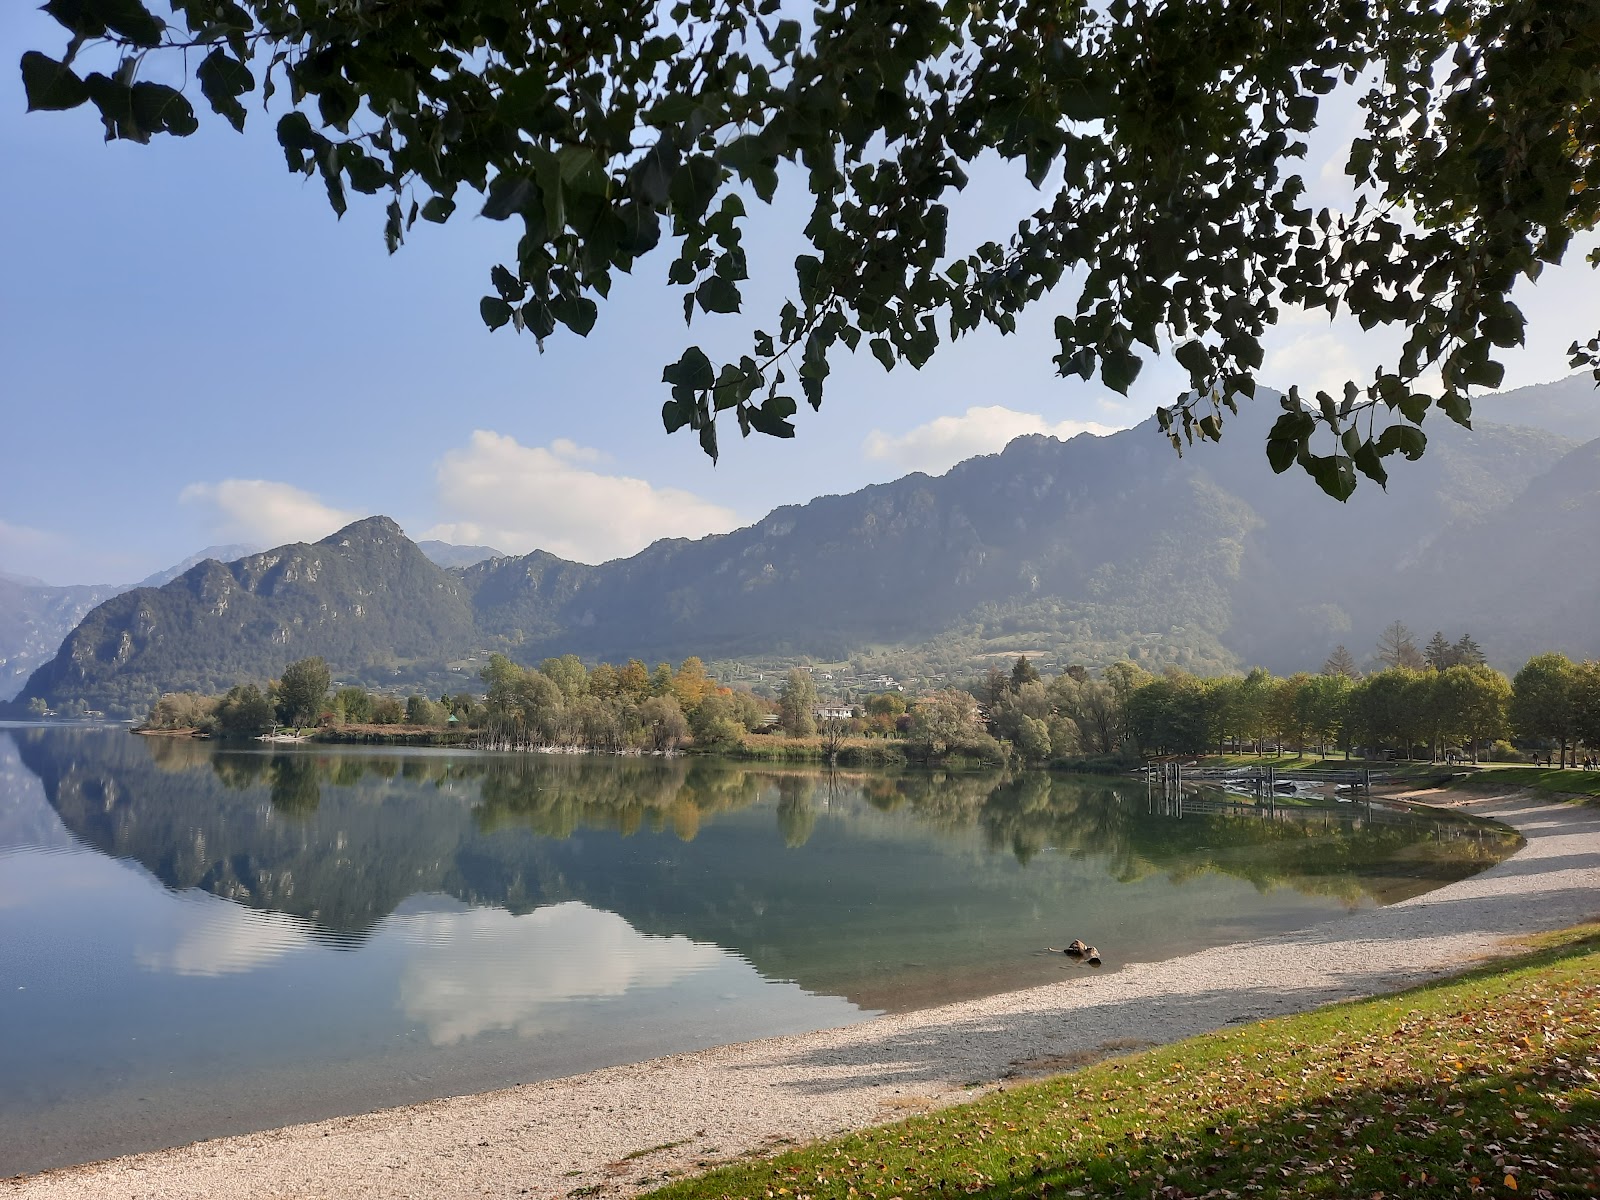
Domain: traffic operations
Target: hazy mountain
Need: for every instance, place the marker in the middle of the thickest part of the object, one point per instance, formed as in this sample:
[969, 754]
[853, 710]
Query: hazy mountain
[34, 617]
[1570, 407]
[224, 554]
[1528, 572]
[447, 555]
[1088, 550]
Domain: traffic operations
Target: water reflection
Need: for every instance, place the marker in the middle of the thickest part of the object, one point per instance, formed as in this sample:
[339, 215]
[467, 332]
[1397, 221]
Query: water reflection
[484, 969]
[340, 839]
[203, 939]
[221, 939]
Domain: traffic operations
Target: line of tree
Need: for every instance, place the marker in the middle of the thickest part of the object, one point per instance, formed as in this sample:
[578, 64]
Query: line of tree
[1453, 703]
[558, 703]
[1463, 707]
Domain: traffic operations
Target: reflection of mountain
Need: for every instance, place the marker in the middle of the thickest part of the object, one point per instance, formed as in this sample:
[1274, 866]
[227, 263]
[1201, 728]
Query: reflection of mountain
[894, 871]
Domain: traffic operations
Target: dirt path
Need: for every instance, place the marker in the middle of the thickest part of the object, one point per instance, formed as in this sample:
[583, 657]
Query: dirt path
[617, 1131]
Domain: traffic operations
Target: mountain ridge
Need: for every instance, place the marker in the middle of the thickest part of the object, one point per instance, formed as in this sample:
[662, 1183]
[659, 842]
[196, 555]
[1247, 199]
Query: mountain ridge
[1091, 550]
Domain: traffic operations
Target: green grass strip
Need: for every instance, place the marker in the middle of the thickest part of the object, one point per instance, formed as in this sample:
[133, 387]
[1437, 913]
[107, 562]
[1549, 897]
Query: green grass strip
[1486, 1084]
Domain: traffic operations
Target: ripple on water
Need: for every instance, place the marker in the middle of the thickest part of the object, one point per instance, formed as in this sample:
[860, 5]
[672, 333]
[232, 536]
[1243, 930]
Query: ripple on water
[205, 936]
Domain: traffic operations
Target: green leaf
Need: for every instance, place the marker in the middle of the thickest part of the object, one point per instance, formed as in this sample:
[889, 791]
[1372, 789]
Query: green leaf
[578, 315]
[772, 418]
[494, 311]
[1118, 370]
[708, 439]
[49, 85]
[509, 193]
[883, 352]
[158, 108]
[223, 80]
[1458, 408]
[438, 209]
[507, 284]
[718, 295]
[1193, 357]
[1335, 475]
[131, 19]
[694, 186]
[1369, 463]
[674, 415]
[692, 370]
[1407, 439]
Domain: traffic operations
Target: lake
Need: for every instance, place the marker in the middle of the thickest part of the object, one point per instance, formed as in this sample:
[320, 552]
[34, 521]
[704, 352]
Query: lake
[198, 940]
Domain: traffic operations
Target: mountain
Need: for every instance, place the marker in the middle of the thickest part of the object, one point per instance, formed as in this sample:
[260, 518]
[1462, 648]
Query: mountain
[1089, 550]
[225, 553]
[447, 555]
[34, 617]
[1570, 407]
[364, 597]
[1529, 570]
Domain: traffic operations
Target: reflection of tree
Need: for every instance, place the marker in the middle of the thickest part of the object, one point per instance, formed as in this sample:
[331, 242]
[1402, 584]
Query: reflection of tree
[238, 770]
[368, 832]
[797, 816]
[295, 788]
[178, 753]
[555, 796]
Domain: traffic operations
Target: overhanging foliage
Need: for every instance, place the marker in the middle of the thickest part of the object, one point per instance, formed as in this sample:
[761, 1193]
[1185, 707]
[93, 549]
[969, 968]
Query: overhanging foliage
[1164, 139]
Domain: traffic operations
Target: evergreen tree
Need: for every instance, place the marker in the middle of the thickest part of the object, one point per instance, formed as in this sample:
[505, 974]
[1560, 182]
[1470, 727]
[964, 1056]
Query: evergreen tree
[1467, 652]
[1341, 662]
[1438, 653]
[1023, 672]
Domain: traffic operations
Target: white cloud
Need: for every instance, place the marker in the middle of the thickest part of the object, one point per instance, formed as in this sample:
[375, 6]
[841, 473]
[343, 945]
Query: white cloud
[485, 969]
[495, 491]
[1314, 362]
[945, 441]
[265, 512]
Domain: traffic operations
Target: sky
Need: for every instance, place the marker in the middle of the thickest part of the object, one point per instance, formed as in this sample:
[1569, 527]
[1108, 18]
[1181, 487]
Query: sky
[193, 350]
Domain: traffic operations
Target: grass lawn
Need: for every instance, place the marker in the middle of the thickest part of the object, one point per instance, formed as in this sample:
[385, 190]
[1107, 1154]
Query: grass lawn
[1334, 762]
[1538, 779]
[1487, 1085]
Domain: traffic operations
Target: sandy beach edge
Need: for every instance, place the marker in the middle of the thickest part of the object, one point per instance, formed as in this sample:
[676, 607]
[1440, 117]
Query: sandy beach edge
[624, 1129]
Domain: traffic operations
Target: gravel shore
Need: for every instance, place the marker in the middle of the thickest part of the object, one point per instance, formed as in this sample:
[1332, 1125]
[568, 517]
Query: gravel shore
[617, 1131]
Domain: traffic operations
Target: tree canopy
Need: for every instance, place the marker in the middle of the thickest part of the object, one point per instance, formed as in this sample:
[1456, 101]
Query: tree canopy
[1165, 140]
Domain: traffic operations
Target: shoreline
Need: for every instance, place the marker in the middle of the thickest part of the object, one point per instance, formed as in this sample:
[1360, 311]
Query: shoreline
[620, 1130]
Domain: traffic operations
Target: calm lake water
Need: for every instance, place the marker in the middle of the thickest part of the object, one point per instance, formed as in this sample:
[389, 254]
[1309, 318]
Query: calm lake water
[197, 941]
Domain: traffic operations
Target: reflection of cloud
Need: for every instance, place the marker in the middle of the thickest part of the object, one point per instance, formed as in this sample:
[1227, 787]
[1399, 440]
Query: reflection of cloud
[484, 969]
[945, 441]
[266, 511]
[224, 939]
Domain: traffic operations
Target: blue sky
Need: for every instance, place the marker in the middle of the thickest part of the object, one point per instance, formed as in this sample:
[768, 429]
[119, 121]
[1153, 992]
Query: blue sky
[193, 350]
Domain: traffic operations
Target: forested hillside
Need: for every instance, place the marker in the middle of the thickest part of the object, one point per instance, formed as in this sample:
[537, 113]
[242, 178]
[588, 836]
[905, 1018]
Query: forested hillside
[1090, 550]
[364, 597]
